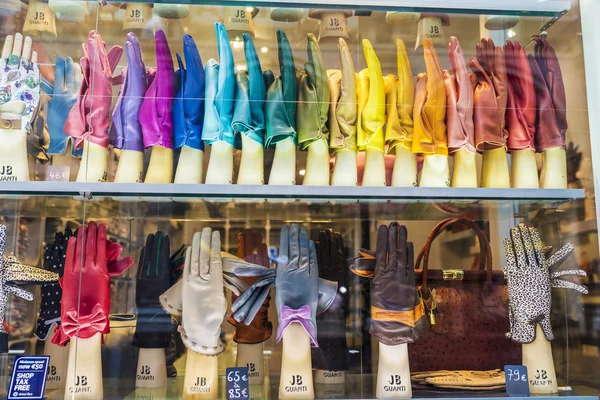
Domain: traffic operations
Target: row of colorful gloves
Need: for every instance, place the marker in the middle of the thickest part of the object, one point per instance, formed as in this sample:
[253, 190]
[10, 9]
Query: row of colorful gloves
[511, 99]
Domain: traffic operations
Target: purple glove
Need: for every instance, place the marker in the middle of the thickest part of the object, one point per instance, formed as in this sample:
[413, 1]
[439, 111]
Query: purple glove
[155, 112]
[126, 130]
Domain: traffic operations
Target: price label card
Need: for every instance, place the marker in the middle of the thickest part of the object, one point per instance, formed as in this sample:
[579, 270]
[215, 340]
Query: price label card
[237, 383]
[58, 173]
[28, 378]
[517, 383]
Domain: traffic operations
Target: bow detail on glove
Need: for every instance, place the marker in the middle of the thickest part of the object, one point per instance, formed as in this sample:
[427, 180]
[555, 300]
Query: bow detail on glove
[85, 325]
[371, 102]
[302, 315]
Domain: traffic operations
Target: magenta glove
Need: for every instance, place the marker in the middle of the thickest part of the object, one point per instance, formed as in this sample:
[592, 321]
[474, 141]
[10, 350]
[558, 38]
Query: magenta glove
[155, 113]
[126, 130]
[89, 117]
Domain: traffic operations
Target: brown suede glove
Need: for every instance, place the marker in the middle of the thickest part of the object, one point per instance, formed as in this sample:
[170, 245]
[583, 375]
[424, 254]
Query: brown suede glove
[252, 249]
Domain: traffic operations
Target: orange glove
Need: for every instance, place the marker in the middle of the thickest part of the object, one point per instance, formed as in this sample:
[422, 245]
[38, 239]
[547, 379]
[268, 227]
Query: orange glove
[400, 94]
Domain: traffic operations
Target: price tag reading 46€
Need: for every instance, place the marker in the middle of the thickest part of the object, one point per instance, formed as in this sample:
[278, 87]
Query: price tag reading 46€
[237, 383]
[517, 383]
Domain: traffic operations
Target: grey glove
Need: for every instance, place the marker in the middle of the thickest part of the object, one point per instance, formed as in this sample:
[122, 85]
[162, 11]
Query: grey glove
[530, 277]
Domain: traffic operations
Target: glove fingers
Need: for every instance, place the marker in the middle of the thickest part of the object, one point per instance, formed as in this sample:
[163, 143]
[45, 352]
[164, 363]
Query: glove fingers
[528, 244]
[304, 250]
[288, 76]
[60, 70]
[560, 256]
[519, 249]
[17, 291]
[382, 248]
[563, 284]
[264, 292]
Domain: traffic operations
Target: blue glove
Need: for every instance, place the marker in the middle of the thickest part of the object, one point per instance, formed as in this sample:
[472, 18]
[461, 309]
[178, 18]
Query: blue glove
[188, 106]
[250, 95]
[63, 94]
[219, 92]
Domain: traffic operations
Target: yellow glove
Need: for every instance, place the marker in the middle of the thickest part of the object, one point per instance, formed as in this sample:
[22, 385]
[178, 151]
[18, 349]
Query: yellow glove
[405, 99]
[371, 102]
[393, 128]
[343, 107]
[430, 107]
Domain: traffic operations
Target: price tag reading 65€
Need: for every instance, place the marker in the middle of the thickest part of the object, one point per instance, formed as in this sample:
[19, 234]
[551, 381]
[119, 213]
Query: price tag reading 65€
[237, 383]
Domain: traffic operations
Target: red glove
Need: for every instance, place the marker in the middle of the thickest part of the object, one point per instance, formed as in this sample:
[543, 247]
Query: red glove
[555, 90]
[521, 106]
[490, 96]
[85, 314]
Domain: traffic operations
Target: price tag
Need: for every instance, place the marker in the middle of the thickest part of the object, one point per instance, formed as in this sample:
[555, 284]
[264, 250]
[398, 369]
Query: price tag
[28, 378]
[58, 173]
[237, 383]
[517, 383]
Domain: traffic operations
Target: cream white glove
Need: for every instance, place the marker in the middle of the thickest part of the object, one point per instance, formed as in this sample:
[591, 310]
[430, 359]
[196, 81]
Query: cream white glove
[204, 303]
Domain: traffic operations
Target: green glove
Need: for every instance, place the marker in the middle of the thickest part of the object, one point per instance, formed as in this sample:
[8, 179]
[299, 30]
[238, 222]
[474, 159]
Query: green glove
[313, 98]
[280, 108]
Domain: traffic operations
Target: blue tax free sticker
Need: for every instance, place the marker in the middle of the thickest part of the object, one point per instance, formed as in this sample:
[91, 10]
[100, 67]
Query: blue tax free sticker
[28, 378]
[517, 383]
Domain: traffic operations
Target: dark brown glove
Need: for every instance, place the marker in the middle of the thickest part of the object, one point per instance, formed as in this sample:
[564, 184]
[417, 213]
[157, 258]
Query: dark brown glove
[396, 309]
[252, 249]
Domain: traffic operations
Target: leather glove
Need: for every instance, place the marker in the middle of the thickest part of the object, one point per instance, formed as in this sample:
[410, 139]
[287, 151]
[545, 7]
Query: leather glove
[63, 96]
[332, 354]
[12, 275]
[252, 249]
[490, 96]
[280, 108]
[91, 261]
[371, 102]
[342, 111]
[156, 110]
[430, 107]
[459, 98]
[250, 95]
[396, 308]
[89, 117]
[188, 106]
[530, 277]
[153, 329]
[551, 100]
[19, 81]
[313, 97]
[297, 263]
[220, 92]
[521, 102]
[204, 303]
[54, 261]
[399, 111]
[126, 130]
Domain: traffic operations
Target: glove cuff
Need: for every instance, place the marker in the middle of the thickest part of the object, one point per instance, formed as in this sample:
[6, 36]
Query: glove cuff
[405, 317]
[394, 333]
[211, 345]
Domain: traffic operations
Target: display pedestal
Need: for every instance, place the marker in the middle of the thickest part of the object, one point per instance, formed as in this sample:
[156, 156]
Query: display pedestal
[296, 381]
[252, 165]
[330, 377]
[345, 172]
[251, 356]
[537, 357]
[131, 167]
[393, 376]
[84, 374]
[405, 168]
[59, 361]
[151, 369]
[68, 160]
[523, 169]
[317, 164]
[190, 166]
[494, 171]
[220, 165]
[14, 165]
[201, 377]
[374, 171]
[160, 168]
[283, 170]
[430, 28]
[554, 169]
[465, 169]
[436, 172]
[94, 163]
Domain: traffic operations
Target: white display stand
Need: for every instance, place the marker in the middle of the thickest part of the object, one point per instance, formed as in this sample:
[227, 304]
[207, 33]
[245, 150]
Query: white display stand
[201, 377]
[160, 168]
[94, 163]
[345, 171]
[523, 169]
[220, 165]
[252, 165]
[151, 369]
[393, 375]
[405, 168]
[190, 167]
[84, 374]
[14, 165]
[465, 169]
[131, 167]
[252, 357]
[537, 357]
[59, 360]
[374, 171]
[494, 170]
[554, 170]
[296, 380]
[436, 172]
[317, 164]
[283, 170]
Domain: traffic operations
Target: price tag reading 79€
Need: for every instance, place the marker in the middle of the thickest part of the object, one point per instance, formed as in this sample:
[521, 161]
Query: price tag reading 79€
[237, 383]
[517, 383]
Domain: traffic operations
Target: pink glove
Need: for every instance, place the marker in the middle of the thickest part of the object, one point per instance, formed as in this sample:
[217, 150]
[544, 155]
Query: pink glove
[89, 117]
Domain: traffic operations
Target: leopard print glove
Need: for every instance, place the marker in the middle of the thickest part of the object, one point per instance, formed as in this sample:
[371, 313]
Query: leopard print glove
[530, 278]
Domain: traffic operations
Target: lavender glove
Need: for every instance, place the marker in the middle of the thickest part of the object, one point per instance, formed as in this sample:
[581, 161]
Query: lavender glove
[219, 92]
[155, 112]
[126, 130]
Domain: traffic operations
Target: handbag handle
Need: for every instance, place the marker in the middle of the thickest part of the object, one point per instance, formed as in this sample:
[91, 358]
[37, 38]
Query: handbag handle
[484, 247]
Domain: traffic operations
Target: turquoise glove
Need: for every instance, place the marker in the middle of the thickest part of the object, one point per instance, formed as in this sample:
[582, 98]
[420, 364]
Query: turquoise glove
[219, 92]
[250, 95]
[280, 108]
